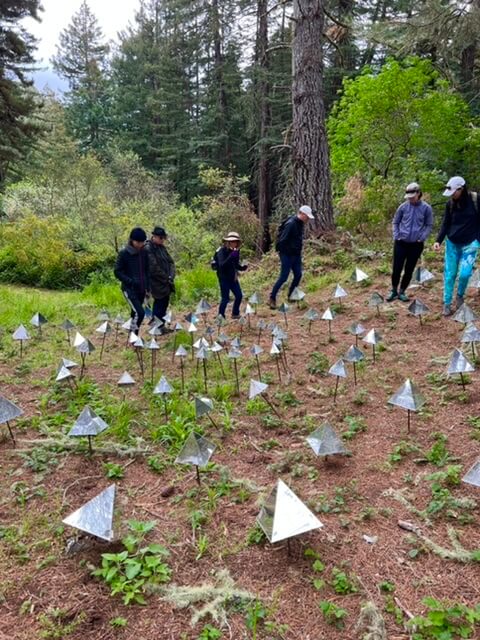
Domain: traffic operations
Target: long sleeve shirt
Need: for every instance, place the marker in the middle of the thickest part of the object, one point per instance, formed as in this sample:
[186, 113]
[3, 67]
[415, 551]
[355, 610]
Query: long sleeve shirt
[461, 223]
[413, 222]
[132, 269]
[290, 241]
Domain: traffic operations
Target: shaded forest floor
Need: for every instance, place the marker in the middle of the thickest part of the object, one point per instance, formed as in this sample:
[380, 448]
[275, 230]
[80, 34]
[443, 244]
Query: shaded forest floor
[211, 527]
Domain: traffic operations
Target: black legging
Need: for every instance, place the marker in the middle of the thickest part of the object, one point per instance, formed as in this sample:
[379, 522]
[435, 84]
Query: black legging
[405, 254]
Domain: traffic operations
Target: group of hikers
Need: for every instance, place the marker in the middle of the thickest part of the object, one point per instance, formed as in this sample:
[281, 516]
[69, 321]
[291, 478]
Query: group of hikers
[146, 269]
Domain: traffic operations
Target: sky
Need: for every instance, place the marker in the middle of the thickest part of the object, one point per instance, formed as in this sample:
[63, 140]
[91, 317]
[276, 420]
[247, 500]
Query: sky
[113, 16]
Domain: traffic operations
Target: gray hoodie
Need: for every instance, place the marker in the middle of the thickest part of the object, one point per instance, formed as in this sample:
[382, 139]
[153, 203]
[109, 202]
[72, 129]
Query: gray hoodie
[413, 222]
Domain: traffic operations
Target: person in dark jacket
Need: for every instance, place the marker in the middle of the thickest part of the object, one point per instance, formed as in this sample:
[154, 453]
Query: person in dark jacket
[412, 224]
[289, 246]
[228, 266]
[461, 228]
[132, 270]
[162, 273]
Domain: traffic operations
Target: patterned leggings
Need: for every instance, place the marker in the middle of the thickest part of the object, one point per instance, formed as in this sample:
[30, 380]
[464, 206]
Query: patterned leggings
[459, 260]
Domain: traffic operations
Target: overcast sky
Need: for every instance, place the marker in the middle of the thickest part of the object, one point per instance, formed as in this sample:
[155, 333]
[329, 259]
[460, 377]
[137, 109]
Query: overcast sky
[112, 15]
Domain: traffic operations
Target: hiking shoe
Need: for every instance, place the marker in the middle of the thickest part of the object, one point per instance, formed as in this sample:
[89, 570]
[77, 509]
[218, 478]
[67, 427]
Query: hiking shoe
[403, 297]
[272, 303]
[391, 296]
[447, 310]
[235, 317]
[459, 301]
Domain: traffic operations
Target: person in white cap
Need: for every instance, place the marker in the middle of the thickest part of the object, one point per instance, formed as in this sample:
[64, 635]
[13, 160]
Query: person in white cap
[412, 224]
[289, 246]
[461, 231]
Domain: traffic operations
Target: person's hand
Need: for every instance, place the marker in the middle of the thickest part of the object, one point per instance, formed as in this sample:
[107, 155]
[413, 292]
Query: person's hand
[436, 246]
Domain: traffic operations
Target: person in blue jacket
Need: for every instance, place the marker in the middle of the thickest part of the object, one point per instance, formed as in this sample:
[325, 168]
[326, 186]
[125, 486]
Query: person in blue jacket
[228, 266]
[132, 270]
[412, 224]
[461, 231]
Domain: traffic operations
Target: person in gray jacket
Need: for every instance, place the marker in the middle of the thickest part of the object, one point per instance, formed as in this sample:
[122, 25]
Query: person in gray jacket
[162, 272]
[412, 224]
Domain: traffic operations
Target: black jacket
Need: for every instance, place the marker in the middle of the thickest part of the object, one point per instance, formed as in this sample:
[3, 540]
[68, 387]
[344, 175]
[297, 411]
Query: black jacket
[132, 270]
[290, 241]
[228, 264]
[461, 222]
[162, 270]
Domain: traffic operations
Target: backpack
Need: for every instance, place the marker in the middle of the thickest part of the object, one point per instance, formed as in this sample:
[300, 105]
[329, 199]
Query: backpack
[474, 196]
[214, 260]
[280, 230]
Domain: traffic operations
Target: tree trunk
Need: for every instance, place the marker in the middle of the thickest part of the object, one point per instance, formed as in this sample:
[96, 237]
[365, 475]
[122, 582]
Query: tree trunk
[310, 157]
[263, 90]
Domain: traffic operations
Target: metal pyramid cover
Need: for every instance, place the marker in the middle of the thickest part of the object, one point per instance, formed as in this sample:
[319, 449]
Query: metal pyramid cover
[372, 337]
[407, 397]
[311, 315]
[20, 333]
[197, 450]
[216, 348]
[191, 318]
[152, 345]
[249, 310]
[64, 374]
[356, 329]
[465, 314]
[236, 342]
[203, 406]
[339, 292]
[279, 334]
[203, 307]
[474, 281]
[256, 350]
[125, 380]
[69, 364]
[96, 515]
[192, 328]
[201, 342]
[181, 352]
[220, 321]
[256, 388]
[178, 327]
[274, 351]
[156, 330]
[358, 275]
[261, 324]
[284, 515]
[168, 317]
[8, 410]
[284, 308]
[222, 338]
[353, 354]
[471, 333]
[338, 369]
[376, 299]
[118, 320]
[459, 363]
[325, 441]
[418, 308]
[234, 353]
[473, 475]
[85, 347]
[132, 337]
[129, 325]
[328, 314]
[37, 320]
[67, 325]
[104, 328]
[202, 353]
[77, 341]
[254, 298]
[88, 424]
[163, 387]
[297, 295]
[103, 315]
[423, 275]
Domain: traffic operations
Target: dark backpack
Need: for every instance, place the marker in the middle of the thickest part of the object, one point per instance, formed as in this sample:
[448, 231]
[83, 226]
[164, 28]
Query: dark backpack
[280, 230]
[214, 261]
[474, 196]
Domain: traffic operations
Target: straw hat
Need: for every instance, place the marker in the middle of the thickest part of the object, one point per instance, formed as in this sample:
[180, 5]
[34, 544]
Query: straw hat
[232, 236]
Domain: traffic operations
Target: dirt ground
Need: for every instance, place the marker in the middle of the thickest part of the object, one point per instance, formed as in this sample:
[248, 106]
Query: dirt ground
[352, 495]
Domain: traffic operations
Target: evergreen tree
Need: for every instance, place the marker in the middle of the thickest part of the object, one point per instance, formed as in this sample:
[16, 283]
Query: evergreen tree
[82, 60]
[18, 101]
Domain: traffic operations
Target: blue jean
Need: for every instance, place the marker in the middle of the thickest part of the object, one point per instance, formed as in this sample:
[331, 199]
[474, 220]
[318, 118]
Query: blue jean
[226, 286]
[287, 264]
[459, 260]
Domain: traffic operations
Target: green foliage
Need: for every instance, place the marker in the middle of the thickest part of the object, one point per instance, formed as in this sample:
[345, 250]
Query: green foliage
[130, 572]
[402, 449]
[342, 583]
[113, 471]
[445, 621]
[57, 624]
[356, 424]
[317, 363]
[209, 633]
[333, 613]
[255, 535]
[438, 454]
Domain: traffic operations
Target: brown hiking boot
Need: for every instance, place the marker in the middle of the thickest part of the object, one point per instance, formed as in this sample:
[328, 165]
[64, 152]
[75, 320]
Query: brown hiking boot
[272, 303]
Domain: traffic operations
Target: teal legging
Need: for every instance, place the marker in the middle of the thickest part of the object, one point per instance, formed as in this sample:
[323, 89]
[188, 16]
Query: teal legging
[459, 260]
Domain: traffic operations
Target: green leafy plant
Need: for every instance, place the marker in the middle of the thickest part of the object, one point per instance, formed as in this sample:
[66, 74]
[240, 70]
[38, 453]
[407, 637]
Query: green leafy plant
[118, 622]
[131, 571]
[356, 425]
[56, 624]
[445, 621]
[317, 363]
[402, 449]
[438, 454]
[342, 583]
[113, 471]
[210, 633]
[333, 614]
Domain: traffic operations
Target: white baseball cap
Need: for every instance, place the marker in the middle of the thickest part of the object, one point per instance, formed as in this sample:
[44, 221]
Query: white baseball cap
[307, 211]
[457, 182]
[411, 189]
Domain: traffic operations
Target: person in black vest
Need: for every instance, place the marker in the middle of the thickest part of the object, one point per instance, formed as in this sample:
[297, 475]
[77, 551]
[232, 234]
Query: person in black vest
[289, 246]
[162, 272]
[132, 270]
[228, 266]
